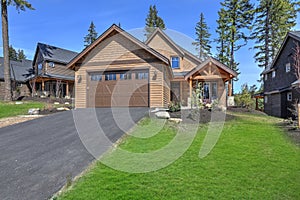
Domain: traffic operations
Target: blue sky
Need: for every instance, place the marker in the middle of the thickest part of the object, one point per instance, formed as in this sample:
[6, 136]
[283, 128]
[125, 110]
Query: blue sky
[64, 23]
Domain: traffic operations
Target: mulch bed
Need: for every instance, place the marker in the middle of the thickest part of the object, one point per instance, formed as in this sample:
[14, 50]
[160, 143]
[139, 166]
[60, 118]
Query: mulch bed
[204, 116]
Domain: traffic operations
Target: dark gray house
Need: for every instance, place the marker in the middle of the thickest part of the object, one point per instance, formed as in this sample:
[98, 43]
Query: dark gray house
[281, 86]
[51, 76]
[20, 72]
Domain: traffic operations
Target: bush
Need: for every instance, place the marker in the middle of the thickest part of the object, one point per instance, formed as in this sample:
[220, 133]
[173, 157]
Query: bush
[174, 106]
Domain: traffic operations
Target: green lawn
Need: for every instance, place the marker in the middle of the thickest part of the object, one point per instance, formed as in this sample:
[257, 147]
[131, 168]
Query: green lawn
[10, 109]
[253, 159]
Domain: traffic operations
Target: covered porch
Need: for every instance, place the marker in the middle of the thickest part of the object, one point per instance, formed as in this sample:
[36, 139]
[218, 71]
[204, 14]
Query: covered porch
[209, 82]
[52, 87]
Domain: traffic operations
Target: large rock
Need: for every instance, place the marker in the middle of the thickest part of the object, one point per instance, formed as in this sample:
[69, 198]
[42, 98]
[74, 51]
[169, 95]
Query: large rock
[162, 115]
[34, 111]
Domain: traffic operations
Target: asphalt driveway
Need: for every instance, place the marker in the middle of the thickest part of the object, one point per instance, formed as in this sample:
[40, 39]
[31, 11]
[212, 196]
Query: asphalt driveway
[37, 156]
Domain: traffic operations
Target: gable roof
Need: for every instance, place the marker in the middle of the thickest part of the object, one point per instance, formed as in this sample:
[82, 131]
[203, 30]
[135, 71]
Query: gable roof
[293, 34]
[126, 35]
[214, 61]
[182, 51]
[19, 71]
[54, 54]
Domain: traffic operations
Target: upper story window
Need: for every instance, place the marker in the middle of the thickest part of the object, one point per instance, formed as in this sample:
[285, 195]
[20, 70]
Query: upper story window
[40, 68]
[289, 96]
[110, 77]
[287, 67]
[175, 62]
[266, 99]
[51, 64]
[273, 74]
[266, 77]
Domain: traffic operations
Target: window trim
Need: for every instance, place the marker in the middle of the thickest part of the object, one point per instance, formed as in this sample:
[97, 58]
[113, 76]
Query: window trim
[178, 62]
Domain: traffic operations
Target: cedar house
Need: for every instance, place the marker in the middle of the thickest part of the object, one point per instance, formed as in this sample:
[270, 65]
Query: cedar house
[120, 70]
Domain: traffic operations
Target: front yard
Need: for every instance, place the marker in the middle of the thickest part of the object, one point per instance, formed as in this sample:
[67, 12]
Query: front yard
[9, 109]
[253, 159]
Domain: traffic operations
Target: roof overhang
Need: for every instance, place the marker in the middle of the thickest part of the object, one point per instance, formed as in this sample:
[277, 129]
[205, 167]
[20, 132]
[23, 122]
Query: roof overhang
[199, 68]
[117, 29]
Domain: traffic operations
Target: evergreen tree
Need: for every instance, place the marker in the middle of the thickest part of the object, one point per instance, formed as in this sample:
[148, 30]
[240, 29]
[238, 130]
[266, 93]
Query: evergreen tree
[13, 55]
[202, 42]
[239, 15]
[153, 21]
[21, 55]
[91, 36]
[19, 5]
[274, 18]
[222, 40]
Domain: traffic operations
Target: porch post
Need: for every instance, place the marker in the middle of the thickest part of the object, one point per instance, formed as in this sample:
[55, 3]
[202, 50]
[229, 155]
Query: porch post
[191, 86]
[229, 88]
[43, 85]
[67, 89]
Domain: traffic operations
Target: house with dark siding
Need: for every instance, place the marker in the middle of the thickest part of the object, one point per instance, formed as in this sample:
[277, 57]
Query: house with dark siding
[20, 71]
[51, 76]
[281, 87]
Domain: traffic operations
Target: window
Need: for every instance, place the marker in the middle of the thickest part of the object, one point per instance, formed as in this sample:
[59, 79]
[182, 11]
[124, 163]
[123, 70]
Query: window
[51, 64]
[40, 68]
[287, 67]
[289, 96]
[110, 77]
[273, 74]
[266, 77]
[125, 76]
[141, 75]
[175, 62]
[214, 90]
[266, 99]
[206, 91]
[96, 77]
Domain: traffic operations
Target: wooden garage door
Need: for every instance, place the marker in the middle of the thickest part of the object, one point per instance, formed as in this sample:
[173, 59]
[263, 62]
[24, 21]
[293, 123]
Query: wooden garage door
[119, 89]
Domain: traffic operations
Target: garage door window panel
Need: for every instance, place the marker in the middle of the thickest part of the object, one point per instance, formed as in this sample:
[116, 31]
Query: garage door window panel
[110, 77]
[141, 75]
[125, 76]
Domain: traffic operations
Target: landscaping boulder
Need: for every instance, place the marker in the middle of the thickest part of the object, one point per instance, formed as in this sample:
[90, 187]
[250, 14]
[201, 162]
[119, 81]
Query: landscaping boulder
[34, 111]
[162, 115]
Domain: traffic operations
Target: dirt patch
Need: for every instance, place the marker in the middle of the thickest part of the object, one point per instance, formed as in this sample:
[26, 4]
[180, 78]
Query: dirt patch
[18, 119]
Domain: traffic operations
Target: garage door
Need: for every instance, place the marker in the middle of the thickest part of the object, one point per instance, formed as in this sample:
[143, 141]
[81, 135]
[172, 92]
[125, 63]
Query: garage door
[119, 89]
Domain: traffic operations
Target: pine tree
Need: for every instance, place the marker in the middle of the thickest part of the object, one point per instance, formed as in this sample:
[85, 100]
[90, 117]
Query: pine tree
[274, 18]
[91, 36]
[153, 21]
[13, 55]
[19, 5]
[222, 40]
[238, 19]
[21, 55]
[202, 41]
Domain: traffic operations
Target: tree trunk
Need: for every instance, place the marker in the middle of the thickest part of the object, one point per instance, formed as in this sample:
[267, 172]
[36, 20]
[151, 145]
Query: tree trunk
[7, 78]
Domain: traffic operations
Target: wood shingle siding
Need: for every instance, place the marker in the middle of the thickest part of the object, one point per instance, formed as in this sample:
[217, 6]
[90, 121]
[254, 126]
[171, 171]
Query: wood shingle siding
[116, 53]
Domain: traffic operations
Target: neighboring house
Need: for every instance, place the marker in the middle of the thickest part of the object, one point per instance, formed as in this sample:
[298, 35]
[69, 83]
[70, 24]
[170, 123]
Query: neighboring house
[119, 70]
[51, 76]
[281, 90]
[19, 72]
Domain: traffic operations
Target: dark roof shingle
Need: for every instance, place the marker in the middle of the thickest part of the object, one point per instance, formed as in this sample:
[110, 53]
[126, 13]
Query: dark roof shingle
[19, 71]
[56, 54]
